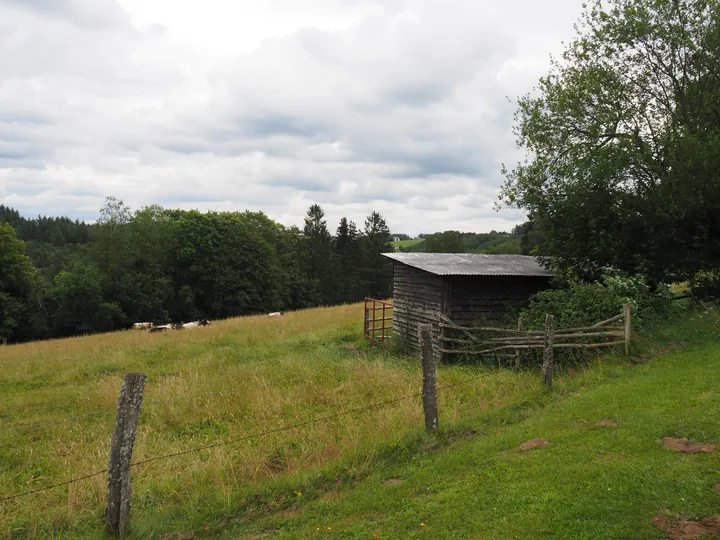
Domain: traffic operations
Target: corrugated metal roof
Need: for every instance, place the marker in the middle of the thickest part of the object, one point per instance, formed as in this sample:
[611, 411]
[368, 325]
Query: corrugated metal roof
[472, 264]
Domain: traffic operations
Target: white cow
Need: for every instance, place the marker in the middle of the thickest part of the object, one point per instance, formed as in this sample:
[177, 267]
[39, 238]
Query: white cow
[196, 324]
[276, 314]
[161, 328]
[142, 325]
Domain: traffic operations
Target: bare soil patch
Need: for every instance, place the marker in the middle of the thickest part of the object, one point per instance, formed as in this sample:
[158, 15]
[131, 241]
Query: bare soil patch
[535, 443]
[686, 447]
[681, 530]
[606, 423]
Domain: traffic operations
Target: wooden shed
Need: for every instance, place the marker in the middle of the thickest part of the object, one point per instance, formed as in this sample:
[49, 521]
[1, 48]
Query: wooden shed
[461, 286]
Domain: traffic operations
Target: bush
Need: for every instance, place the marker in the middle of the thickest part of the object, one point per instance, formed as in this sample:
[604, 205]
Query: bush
[584, 304]
[707, 286]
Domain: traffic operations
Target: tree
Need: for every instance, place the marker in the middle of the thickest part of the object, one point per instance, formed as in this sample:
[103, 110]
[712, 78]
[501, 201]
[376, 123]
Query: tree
[80, 306]
[445, 242]
[19, 287]
[347, 251]
[376, 270]
[319, 246]
[623, 139]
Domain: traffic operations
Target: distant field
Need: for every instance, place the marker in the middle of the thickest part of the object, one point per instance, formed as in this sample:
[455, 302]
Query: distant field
[406, 243]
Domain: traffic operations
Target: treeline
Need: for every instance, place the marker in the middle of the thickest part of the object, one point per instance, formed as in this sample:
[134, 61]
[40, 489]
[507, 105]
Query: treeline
[60, 277]
[522, 240]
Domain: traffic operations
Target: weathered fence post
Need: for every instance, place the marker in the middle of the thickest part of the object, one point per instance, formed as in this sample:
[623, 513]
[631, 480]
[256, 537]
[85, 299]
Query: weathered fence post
[519, 352]
[119, 492]
[628, 327]
[548, 352]
[429, 381]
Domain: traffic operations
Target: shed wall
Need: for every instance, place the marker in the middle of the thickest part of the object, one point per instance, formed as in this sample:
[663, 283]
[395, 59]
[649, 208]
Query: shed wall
[492, 297]
[418, 298]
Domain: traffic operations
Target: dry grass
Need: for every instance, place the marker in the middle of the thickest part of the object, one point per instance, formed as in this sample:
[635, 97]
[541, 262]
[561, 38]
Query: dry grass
[313, 352]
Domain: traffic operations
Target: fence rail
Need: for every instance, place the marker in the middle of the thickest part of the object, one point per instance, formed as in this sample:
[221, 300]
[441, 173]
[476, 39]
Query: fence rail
[512, 343]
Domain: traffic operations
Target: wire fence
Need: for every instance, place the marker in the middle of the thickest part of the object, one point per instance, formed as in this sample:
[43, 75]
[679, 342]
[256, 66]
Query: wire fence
[257, 435]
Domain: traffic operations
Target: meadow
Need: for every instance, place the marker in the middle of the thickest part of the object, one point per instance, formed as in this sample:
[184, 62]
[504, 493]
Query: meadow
[405, 243]
[370, 473]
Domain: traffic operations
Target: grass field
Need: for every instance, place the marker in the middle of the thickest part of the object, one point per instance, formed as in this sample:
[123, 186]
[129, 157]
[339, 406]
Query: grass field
[405, 243]
[369, 473]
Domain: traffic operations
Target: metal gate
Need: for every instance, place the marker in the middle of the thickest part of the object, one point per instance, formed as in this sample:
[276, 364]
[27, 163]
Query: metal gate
[378, 320]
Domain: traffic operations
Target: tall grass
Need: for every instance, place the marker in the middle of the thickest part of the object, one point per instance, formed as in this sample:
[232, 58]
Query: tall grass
[232, 379]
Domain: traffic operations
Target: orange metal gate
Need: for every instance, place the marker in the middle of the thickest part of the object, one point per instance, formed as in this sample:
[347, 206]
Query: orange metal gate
[378, 320]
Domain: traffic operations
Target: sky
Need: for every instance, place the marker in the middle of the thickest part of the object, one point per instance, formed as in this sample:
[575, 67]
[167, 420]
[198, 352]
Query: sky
[404, 107]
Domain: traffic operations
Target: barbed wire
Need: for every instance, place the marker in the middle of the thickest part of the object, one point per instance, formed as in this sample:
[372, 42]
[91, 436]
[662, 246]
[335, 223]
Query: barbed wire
[248, 437]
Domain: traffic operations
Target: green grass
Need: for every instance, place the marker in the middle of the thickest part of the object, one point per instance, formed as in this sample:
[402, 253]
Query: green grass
[366, 473]
[405, 243]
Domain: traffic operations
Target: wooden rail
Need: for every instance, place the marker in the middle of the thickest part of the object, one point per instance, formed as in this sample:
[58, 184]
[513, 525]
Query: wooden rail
[520, 340]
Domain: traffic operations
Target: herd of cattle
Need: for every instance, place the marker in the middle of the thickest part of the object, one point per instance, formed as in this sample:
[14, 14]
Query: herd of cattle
[165, 327]
[180, 326]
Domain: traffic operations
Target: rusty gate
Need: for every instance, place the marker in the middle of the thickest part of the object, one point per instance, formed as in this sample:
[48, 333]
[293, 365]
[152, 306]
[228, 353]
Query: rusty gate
[378, 320]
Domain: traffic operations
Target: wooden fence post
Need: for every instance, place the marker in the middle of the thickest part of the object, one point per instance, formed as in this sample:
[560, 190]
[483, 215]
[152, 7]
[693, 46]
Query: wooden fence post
[119, 492]
[429, 381]
[628, 327]
[548, 352]
[519, 352]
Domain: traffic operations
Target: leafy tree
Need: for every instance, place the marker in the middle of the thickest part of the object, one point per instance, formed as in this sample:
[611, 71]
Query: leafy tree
[80, 306]
[347, 251]
[623, 138]
[19, 287]
[445, 242]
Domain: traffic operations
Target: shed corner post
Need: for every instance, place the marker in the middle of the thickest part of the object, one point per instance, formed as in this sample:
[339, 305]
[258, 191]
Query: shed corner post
[548, 352]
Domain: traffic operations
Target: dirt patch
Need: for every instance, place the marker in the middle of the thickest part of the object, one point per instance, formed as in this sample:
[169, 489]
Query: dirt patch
[606, 423]
[681, 530]
[393, 482]
[290, 513]
[716, 488]
[686, 447]
[535, 443]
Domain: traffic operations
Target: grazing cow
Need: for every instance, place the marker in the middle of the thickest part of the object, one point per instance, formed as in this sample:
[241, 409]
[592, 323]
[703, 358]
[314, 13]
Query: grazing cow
[195, 324]
[142, 326]
[276, 314]
[162, 328]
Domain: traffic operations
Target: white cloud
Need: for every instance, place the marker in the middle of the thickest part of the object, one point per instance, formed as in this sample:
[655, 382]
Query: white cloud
[397, 106]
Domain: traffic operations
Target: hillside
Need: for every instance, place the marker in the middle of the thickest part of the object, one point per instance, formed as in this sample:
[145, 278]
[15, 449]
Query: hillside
[370, 471]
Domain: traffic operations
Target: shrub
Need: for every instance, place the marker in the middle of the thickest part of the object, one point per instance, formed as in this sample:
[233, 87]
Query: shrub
[707, 286]
[583, 304]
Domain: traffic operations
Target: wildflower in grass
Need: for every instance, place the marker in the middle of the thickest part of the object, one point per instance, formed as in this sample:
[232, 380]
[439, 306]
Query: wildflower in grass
[422, 524]
[299, 493]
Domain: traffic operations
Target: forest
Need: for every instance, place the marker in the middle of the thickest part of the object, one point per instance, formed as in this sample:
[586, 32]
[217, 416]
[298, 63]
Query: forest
[60, 277]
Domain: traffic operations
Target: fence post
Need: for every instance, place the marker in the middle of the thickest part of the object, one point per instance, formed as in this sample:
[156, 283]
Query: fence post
[548, 352]
[519, 352]
[628, 327]
[119, 491]
[429, 381]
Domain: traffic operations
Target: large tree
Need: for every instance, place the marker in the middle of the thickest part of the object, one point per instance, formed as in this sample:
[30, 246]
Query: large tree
[623, 141]
[19, 287]
[319, 253]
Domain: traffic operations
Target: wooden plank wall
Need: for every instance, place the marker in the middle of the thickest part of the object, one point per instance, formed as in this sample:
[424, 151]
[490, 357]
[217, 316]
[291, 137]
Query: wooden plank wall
[417, 299]
[474, 296]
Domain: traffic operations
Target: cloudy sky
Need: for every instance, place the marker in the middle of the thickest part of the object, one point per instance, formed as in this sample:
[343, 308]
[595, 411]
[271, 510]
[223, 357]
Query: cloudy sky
[398, 106]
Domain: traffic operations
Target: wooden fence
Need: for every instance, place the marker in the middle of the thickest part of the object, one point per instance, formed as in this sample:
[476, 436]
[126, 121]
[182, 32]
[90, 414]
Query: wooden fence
[513, 343]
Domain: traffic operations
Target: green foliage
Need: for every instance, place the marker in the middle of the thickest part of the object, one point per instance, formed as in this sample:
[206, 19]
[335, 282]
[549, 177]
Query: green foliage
[19, 287]
[623, 139]
[708, 286]
[458, 242]
[171, 266]
[579, 303]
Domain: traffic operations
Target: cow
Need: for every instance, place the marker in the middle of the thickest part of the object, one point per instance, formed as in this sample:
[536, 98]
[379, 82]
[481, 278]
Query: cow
[161, 328]
[196, 324]
[142, 326]
[276, 314]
